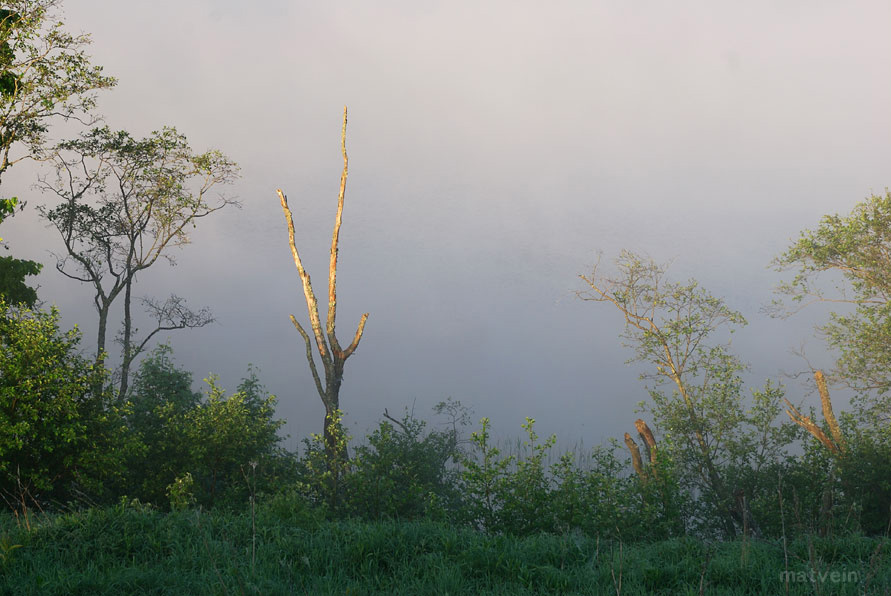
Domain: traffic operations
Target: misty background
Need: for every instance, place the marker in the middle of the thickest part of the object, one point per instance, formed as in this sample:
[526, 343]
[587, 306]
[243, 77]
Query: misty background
[494, 149]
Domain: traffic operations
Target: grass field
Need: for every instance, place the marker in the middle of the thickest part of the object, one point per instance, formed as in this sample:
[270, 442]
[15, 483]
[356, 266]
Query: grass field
[126, 550]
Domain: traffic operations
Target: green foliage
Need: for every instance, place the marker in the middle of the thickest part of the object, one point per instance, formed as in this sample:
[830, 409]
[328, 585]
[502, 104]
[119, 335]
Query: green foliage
[181, 492]
[161, 399]
[14, 271]
[45, 74]
[152, 187]
[208, 439]
[322, 470]
[482, 476]
[525, 491]
[403, 471]
[13, 288]
[226, 434]
[6, 550]
[694, 385]
[289, 507]
[857, 248]
[7, 208]
[57, 436]
[592, 493]
[666, 506]
[845, 261]
[864, 476]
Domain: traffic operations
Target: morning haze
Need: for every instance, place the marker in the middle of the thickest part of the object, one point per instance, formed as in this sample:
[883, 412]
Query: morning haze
[494, 150]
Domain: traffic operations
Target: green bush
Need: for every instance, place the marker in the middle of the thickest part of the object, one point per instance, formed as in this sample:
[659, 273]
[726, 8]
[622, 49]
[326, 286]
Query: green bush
[404, 471]
[525, 489]
[320, 478]
[483, 472]
[214, 439]
[60, 435]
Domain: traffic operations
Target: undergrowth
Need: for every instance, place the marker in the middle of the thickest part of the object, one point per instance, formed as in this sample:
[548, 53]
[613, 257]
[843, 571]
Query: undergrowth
[133, 549]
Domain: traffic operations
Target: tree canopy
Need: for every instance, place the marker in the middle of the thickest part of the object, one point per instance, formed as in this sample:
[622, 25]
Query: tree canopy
[124, 204]
[856, 248]
[45, 74]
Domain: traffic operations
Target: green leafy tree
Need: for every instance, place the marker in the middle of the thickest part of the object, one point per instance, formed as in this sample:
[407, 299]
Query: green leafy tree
[45, 75]
[57, 435]
[846, 262]
[125, 204]
[694, 384]
[854, 252]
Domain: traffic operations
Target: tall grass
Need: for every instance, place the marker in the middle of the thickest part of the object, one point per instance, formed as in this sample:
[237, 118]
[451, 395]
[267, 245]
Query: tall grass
[138, 550]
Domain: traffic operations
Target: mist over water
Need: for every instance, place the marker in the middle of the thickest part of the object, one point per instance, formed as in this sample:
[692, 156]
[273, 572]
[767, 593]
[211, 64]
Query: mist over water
[494, 150]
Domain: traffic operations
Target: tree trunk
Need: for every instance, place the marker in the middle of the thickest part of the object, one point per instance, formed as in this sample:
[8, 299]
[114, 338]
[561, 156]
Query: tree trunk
[128, 331]
[100, 336]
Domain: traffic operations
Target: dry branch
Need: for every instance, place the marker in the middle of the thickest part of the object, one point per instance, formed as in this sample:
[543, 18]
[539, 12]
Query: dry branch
[312, 304]
[636, 460]
[836, 444]
[807, 424]
[648, 438]
[828, 414]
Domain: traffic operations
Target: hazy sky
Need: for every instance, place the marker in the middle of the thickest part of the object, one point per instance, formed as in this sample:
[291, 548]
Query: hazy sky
[494, 147]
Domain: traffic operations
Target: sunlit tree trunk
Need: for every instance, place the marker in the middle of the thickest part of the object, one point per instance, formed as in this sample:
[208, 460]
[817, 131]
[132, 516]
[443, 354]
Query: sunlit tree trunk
[332, 355]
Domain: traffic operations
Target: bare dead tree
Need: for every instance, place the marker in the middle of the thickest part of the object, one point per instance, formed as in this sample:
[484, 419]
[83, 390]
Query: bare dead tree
[331, 353]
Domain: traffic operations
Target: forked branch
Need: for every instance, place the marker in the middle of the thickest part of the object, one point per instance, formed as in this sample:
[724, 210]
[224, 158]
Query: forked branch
[836, 444]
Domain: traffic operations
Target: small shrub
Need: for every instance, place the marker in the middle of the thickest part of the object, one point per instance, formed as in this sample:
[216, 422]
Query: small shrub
[181, 492]
[403, 471]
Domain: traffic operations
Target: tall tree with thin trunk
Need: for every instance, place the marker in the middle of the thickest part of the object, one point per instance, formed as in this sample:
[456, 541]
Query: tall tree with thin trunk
[694, 384]
[331, 353]
[125, 203]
